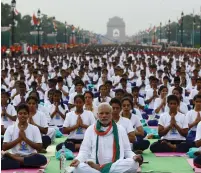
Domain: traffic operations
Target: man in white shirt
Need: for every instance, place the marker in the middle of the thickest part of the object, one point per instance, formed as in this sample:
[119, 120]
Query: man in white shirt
[152, 93]
[173, 129]
[197, 160]
[96, 149]
[24, 140]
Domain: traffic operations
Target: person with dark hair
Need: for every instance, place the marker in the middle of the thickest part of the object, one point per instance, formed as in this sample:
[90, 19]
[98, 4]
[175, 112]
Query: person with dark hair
[8, 112]
[140, 144]
[57, 110]
[177, 82]
[24, 140]
[75, 124]
[34, 88]
[152, 93]
[159, 105]
[20, 98]
[125, 122]
[194, 117]
[88, 97]
[166, 82]
[119, 93]
[196, 90]
[79, 85]
[142, 82]
[124, 85]
[51, 85]
[183, 108]
[138, 102]
[37, 118]
[173, 129]
[49, 101]
[63, 88]
[110, 92]
[103, 96]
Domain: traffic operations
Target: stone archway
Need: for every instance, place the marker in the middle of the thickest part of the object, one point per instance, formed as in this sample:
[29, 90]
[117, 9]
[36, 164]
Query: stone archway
[116, 29]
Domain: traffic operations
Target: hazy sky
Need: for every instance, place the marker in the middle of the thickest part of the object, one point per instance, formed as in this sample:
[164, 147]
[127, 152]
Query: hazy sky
[93, 15]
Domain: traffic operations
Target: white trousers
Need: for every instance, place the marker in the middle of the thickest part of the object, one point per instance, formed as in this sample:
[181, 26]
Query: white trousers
[120, 166]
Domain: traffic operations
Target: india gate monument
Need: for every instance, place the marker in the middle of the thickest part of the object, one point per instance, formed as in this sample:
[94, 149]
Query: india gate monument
[116, 29]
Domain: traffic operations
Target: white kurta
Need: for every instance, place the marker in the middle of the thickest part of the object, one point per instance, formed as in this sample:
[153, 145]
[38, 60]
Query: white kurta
[88, 152]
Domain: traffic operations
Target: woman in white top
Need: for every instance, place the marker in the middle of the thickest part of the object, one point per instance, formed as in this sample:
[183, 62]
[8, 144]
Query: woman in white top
[159, 105]
[75, 124]
[8, 112]
[127, 106]
[58, 110]
[88, 96]
[24, 140]
[194, 117]
[37, 118]
[183, 108]
[103, 96]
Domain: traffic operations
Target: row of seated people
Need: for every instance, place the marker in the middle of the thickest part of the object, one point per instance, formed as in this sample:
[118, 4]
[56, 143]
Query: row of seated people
[173, 127]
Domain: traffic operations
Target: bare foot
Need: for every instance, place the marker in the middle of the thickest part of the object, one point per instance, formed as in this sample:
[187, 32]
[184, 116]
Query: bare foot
[93, 165]
[173, 146]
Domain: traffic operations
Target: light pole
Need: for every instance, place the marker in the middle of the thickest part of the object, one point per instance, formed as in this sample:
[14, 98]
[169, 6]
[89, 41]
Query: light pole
[169, 32]
[65, 32]
[182, 15]
[194, 22]
[38, 26]
[13, 5]
[160, 31]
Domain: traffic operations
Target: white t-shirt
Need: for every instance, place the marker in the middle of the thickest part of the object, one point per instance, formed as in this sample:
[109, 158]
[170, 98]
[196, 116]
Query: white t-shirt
[32, 133]
[57, 120]
[71, 120]
[17, 100]
[157, 103]
[198, 133]
[96, 100]
[193, 93]
[126, 123]
[135, 121]
[173, 134]
[149, 94]
[191, 117]
[10, 109]
[40, 119]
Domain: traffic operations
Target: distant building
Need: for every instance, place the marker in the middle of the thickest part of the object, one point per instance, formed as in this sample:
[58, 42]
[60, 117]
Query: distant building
[116, 31]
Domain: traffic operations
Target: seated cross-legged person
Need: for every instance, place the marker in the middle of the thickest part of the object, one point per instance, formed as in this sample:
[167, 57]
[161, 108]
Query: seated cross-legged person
[124, 122]
[194, 117]
[173, 129]
[75, 124]
[140, 144]
[38, 119]
[24, 140]
[106, 147]
[159, 105]
[58, 111]
[197, 160]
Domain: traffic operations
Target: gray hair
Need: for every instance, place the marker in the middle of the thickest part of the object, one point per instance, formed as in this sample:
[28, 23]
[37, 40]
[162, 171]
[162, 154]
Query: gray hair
[104, 104]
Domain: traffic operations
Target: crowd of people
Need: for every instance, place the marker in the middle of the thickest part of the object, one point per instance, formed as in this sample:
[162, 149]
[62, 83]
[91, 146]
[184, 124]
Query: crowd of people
[101, 97]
